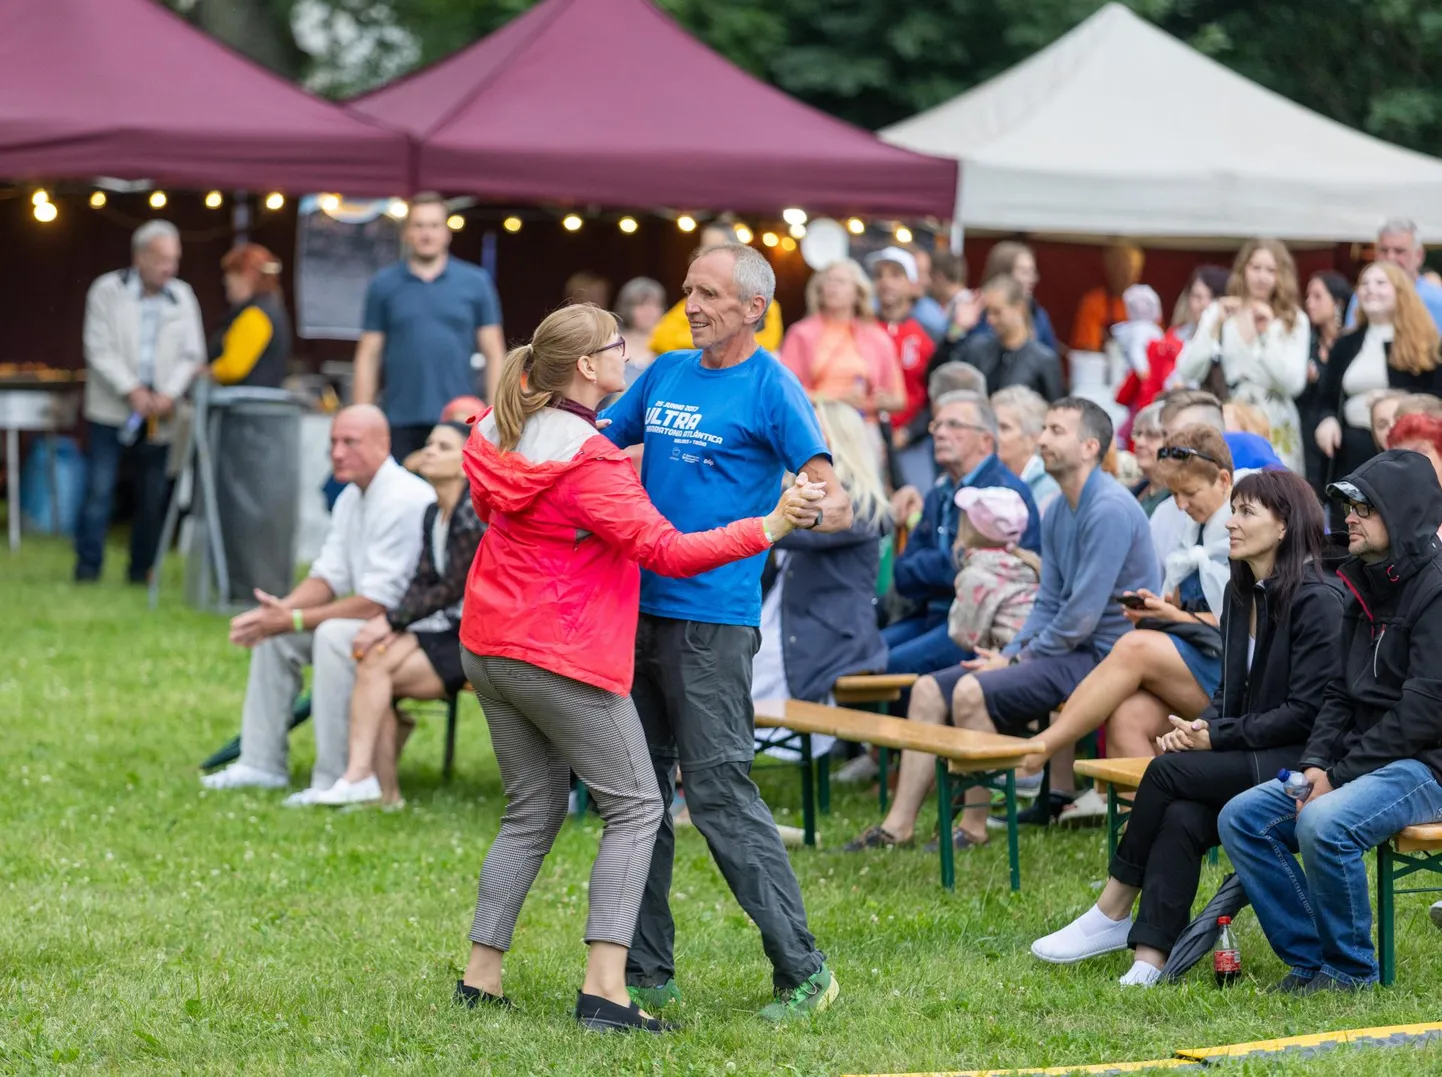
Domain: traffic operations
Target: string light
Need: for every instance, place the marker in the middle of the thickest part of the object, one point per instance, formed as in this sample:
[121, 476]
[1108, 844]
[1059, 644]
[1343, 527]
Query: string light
[512, 224]
[797, 231]
[744, 234]
[330, 202]
[571, 223]
[770, 238]
[398, 209]
[45, 212]
[856, 226]
[274, 201]
[627, 225]
[158, 200]
[213, 200]
[97, 200]
[902, 234]
[40, 197]
[455, 222]
[686, 223]
[787, 243]
[793, 216]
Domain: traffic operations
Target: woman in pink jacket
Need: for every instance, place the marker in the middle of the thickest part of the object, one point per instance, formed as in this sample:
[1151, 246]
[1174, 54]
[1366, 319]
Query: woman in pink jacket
[548, 636]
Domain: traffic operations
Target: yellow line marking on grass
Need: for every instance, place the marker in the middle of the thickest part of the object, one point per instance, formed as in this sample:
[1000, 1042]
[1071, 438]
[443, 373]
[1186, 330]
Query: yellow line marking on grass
[1315, 1040]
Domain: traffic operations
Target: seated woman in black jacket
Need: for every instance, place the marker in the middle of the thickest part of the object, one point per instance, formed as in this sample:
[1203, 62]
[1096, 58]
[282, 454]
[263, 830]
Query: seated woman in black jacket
[1281, 646]
[1010, 354]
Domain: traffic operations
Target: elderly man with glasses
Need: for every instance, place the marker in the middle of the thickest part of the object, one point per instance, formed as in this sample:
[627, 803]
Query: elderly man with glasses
[964, 436]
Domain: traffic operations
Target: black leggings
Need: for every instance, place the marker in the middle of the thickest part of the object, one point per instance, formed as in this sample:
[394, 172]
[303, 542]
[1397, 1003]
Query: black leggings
[1173, 823]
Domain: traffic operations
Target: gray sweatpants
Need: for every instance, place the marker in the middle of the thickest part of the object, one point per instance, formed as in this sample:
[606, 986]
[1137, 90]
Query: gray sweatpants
[543, 726]
[276, 668]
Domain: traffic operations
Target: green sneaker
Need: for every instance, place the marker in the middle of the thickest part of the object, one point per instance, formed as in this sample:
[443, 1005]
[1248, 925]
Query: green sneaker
[808, 998]
[654, 999]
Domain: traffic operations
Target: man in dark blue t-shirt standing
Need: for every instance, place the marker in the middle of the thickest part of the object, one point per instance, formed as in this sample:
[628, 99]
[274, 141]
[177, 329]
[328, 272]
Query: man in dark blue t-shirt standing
[425, 316]
[720, 427]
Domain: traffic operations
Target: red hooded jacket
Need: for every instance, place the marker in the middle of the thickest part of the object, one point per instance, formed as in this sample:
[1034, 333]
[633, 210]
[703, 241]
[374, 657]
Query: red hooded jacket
[555, 582]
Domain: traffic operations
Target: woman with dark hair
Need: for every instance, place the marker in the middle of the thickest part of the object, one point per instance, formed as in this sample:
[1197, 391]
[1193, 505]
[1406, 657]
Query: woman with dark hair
[414, 650]
[1327, 297]
[1281, 646]
[253, 345]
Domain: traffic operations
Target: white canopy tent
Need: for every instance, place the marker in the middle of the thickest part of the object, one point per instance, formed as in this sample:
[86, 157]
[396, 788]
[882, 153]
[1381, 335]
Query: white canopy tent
[1118, 129]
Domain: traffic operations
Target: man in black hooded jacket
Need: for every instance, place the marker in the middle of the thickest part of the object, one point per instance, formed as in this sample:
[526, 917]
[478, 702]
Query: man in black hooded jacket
[1375, 754]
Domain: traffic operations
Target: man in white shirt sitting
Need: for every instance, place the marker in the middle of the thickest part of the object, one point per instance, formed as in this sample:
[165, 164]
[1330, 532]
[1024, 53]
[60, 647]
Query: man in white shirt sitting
[369, 556]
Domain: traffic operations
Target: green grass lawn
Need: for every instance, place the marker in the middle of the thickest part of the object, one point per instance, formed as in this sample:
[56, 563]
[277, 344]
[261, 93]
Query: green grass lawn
[149, 927]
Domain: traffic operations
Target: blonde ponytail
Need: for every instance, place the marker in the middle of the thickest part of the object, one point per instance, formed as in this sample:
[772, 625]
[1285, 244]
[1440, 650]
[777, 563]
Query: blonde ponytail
[538, 373]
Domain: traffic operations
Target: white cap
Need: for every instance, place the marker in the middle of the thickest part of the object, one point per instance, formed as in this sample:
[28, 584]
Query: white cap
[904, 258]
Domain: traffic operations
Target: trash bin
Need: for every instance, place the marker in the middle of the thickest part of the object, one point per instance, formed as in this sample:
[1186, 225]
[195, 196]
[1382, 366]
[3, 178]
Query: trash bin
[255, 451]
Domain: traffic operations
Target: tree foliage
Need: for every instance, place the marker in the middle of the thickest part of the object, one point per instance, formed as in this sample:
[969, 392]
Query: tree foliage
[1366, 63]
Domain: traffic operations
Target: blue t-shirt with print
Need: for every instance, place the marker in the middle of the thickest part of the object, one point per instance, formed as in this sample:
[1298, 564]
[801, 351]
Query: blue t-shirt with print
[717, 444]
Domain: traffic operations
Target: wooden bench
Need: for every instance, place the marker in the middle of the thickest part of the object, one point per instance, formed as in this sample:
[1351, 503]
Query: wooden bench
[873, 691]
[964, 759]
[1115, 776]
[1416, 848]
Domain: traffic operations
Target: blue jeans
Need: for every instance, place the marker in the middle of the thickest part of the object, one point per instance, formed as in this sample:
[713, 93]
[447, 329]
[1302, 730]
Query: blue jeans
[1318, 914]
[148, 464]
[921, 645]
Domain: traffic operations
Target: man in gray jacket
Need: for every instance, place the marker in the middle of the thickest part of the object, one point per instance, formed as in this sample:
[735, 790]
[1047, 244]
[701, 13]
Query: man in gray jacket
[143, 345]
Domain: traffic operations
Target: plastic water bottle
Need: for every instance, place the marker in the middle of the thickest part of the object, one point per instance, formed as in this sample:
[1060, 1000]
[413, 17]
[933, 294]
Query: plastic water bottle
[1226, 958]
[1295, 783]
[131, 430]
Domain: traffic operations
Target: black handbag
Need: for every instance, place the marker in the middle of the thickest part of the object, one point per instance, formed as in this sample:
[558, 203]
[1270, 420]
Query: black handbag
[1204, 637]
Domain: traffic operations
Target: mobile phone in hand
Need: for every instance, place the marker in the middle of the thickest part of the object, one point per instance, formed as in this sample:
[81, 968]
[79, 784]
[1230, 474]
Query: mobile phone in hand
[1133, 602]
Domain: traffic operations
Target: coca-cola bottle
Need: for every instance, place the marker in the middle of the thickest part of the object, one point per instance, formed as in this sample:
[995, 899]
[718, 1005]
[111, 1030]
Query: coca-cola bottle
[1226, 958]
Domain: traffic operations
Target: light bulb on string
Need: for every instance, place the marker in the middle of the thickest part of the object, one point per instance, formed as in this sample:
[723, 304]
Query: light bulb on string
[744, 234]
[627, 225]
[97, 200]
[45, 212]
[40, 196]
[512, 224]
[274, 201]
[158, 200]
[856, 226]
[329, 203]
[902, 234]
[797, 231]
[213, 200]
[398, 209]
[455, 222]
[770, 239]
[793, 216]
[571, 222]
[686, 223]
[788, 244]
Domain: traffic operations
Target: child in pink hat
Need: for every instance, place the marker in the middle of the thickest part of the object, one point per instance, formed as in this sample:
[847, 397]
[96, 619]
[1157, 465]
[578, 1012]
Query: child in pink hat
[996, 588]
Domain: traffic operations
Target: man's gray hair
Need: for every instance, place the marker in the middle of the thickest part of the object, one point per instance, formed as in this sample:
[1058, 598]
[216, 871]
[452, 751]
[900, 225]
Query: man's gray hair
[1028, 404]
[753, 273]
[1402, 226]
[978, 402]
[150, 231]
[955, 377]
[635, 292]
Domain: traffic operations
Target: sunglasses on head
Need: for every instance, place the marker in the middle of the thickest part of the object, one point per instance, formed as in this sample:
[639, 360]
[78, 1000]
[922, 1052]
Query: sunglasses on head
[1180, 452]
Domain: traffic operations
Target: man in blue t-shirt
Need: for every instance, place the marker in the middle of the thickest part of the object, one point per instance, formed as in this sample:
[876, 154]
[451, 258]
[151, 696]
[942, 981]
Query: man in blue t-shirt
[425, 316]
[720, 427]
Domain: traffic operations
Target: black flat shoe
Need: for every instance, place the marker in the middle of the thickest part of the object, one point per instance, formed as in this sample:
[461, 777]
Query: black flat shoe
[602, 1015]
[471, 997]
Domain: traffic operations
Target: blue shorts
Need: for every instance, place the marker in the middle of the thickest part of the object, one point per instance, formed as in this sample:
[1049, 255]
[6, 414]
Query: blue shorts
[1024, 693]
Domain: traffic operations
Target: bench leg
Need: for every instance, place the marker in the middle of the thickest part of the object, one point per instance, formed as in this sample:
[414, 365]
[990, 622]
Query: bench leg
[808, 791]
[1012, 851]
[1114, 822]
[943, 811]
[448, 761]
[1214, 856]
[883, 761]
[582, 800]
[823, 784]
[1386, 916]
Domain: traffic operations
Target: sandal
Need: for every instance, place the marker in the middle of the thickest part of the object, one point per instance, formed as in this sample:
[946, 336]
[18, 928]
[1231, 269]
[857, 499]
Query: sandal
[876, 837]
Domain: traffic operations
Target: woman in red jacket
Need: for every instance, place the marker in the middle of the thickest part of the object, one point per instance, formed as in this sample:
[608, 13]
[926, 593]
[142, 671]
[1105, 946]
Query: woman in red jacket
[548, 635]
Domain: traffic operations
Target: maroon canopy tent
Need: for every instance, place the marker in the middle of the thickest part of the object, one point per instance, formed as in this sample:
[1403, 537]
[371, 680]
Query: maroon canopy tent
[126, 88]
[609, 101]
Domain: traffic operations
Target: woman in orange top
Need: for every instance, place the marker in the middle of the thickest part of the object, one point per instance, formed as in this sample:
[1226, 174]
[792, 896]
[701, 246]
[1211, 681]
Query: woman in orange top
[838, 350]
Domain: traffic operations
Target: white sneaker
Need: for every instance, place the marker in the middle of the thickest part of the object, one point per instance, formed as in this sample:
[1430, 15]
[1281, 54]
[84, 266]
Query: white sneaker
[242, 776]
[1436, 913]
[365, 791]
[1091, 934]
[861, 769]
[304, 799]
[1089, 807]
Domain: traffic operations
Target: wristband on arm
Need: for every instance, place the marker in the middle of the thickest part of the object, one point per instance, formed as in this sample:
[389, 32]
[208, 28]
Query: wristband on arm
[297, 620]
